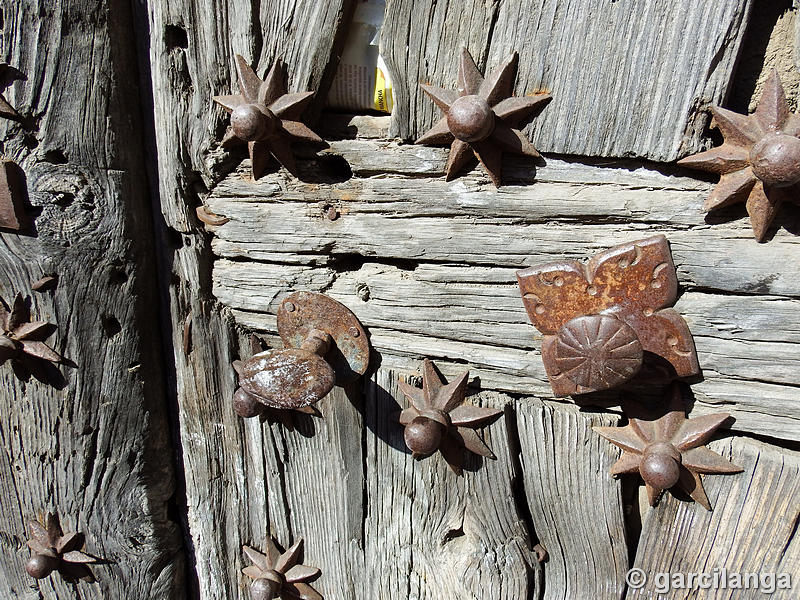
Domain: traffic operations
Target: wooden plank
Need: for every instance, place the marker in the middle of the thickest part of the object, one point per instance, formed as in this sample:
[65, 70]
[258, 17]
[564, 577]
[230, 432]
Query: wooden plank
[576, 511]
[430, 533]
[191, 53]
[447, 253]
[96, 447]
[752, 529]
[467, 221]
[626, 104]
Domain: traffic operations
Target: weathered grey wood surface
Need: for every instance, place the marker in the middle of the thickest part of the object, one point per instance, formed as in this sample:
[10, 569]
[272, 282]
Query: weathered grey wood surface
[429, 533]
[576, 512]
[442, 267]
[627, 78]
[230, 494]
[428, 266]
[97, 451]
[752, 529]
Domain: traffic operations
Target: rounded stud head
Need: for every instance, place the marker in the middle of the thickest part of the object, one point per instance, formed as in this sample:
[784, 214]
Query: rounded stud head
[40, 566]
[423, 436]
[598, 352]
[288, 378]
[776, 160]
[251, 123]
[265, 589]
[246, 405]
[660, 466]
[470, 119]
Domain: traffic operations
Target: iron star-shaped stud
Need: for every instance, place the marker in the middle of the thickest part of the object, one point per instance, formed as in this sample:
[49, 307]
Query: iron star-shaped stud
[669, 451]
[12, 196]
[267, 117]
[54, 551]
[438, 420]
[481, 116]
[8, 74]
[759, 161]
[277, 575]
[21, 339]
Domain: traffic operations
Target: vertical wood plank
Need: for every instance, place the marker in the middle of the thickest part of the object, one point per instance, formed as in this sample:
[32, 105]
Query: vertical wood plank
[752, 529]
[430, 533]
[575, 505]
[627, 78]
[233, 469]
[96, 447]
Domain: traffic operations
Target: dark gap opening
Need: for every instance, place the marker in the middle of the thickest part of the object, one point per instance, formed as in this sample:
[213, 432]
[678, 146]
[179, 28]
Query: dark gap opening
[175, 36]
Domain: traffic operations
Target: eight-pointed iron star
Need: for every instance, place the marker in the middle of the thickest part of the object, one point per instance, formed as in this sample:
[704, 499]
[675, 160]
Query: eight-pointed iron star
[54, 551]
[481, 117]
[438, 420]
[266, 117]
[759, 162]
[668, 451]
[277, 575]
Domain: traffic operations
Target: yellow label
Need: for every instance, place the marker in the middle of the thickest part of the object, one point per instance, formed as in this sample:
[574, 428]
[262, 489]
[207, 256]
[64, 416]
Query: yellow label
[383, 93]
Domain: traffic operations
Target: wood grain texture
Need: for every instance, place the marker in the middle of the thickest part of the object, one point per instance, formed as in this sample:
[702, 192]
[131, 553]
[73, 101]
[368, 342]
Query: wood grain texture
[97, 450]
[241, 477]
[655, 66]
[576, 512]
[440, 278]
[431, 534]
[752, 529]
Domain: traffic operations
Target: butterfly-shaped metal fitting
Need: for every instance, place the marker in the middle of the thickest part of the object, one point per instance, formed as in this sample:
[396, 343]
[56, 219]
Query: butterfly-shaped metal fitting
[603, 321]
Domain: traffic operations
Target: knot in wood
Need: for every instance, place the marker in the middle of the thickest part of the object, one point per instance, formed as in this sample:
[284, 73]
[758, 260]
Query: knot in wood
[598, 352]
[776, 160]
[470, 119]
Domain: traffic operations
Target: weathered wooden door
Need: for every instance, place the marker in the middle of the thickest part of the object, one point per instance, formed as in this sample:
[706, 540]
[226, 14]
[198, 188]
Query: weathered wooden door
[138, 446]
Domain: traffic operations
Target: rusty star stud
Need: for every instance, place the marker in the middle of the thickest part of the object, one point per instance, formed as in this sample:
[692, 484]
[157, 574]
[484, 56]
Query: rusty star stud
[267, 117]
[438, 420]
[669, 451]
[8, 74]
[759, 161]
[54, 551]
[12, 196]
[277, 575]
[481, 116]
[21, 339]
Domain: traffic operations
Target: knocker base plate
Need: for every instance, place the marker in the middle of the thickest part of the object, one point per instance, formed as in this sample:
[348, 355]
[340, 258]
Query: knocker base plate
[302, 312]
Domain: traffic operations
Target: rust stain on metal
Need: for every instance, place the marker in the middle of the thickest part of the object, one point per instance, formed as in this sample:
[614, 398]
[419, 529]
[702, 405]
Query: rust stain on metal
[54, 551]
[210, 218]
[324, 343]
[481, 116]
[759, 162]
[13, 194]
[607, 322]
[266, 117]
[22, 340]
[668, 450]
[280, 575]
[438, 419]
